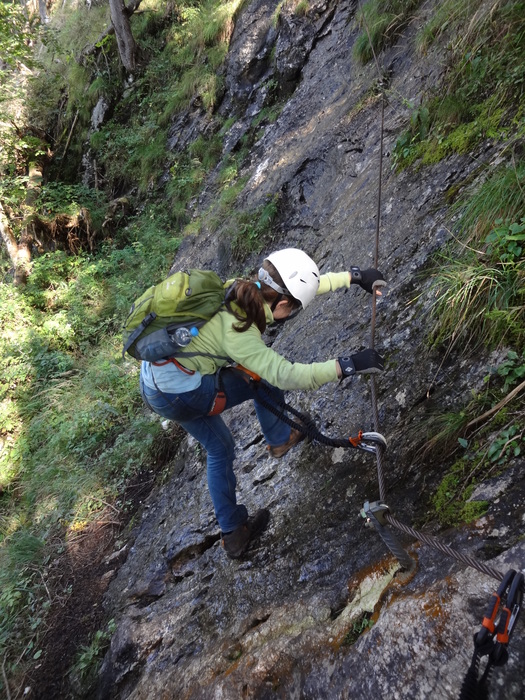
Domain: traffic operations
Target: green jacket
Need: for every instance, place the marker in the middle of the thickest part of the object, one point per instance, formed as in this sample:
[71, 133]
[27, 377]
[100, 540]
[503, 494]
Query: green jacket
[218, 337]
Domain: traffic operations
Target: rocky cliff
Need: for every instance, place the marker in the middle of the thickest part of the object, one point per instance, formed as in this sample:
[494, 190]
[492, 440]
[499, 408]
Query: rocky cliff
[294, 618]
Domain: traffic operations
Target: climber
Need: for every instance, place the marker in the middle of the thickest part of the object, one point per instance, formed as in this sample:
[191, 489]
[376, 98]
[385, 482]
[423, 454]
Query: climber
[193, 390]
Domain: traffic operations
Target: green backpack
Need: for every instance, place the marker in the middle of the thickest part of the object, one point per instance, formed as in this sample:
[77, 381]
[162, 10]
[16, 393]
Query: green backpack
[187, 298]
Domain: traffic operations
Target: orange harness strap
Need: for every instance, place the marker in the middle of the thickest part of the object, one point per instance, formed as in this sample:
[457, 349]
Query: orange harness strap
[219, 404]
[174, 362]
[253, 375]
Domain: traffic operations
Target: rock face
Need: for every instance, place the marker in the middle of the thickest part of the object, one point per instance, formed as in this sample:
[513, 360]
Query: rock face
[282, 622]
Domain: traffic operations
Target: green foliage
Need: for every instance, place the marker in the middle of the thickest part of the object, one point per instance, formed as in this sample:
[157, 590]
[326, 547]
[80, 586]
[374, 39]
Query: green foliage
[302, 8]
[500, 198]
[89, 657]
[479, 293]
[506, 444]
[189, 171]
[506, 242]
[61, 198]
[447, 17]
[407, 148]
[184, 52]
[489, 430]
[131, 154]
[381, 22]
[451, 502]
[13, 191]
[277, 13]
[477, 302]
[512, 370]
[70, 426]
[61, 94]
[269, 114]
[16, 29]
[251, 231]
[484, 82]
[363, 624]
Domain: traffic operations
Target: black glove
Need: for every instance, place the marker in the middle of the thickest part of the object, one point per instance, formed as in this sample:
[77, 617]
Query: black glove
[367, 279]
[364, 362]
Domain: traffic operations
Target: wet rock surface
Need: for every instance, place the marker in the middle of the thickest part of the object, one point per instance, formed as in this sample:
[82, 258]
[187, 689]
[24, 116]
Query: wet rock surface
[278, 624]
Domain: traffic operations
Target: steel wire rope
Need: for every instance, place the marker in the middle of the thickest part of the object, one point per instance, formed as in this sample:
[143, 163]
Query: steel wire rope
[427, 539]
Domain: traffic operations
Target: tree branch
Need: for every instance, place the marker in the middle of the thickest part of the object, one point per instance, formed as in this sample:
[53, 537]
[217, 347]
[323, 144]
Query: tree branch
[8, 236]
[497, 407]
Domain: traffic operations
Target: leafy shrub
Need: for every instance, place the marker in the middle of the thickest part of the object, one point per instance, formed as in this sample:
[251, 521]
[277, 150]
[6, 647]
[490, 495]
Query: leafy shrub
[61, 198]
[512, 369]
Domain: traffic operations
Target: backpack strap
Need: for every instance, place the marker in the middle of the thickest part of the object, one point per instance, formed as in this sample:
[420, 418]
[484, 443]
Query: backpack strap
[203, 354]
[138, 330]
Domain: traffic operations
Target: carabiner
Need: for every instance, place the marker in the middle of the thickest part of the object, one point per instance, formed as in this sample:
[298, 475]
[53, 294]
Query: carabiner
[369, 442]
[511, 611]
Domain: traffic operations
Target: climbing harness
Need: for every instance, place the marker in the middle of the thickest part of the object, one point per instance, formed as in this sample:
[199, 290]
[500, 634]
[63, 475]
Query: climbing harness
[370, 442]
[366, 441]
[493, 637]
[219, 401]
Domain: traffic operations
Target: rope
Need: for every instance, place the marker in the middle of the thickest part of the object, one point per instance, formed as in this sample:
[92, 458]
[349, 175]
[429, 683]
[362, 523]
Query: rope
[305, 423]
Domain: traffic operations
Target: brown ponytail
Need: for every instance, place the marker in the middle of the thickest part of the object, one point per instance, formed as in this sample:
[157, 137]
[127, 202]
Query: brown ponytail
[250, 298]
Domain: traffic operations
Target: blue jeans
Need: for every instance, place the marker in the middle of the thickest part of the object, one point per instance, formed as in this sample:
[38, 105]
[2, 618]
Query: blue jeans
[190, 410]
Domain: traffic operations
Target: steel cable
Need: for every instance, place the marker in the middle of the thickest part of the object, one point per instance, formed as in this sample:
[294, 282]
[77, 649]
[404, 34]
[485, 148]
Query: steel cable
[437, 544]
[427, 539]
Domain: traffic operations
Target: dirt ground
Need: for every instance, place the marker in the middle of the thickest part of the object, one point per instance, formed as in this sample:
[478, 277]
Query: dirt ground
[90, 561]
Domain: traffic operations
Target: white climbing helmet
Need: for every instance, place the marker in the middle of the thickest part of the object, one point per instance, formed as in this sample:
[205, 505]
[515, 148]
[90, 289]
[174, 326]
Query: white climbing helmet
[299, 273]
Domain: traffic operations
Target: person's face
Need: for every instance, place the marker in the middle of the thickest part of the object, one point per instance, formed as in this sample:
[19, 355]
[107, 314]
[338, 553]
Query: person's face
[282, 310]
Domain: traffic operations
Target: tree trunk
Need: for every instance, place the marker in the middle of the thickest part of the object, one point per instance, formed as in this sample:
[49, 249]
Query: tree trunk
[8, 236]
[93, 48]
[127, 47]
[19, 254]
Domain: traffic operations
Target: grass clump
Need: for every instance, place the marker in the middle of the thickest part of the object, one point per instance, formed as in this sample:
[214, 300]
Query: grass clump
[485, 83]
[478, 286]
[447, 17]
[250, 232]
[381, 23]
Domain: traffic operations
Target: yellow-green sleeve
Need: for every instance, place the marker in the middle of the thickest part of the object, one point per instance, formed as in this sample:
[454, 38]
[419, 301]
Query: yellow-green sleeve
[249, 350]
[331, 281]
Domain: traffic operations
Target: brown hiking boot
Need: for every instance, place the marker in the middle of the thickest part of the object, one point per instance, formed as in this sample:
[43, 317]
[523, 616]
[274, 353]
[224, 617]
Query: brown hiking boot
[236, 543]
[280, 450]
